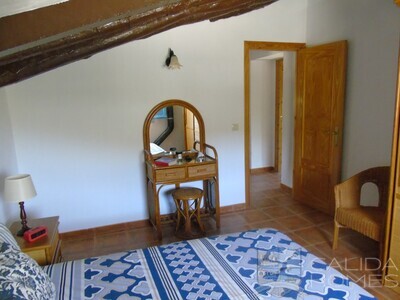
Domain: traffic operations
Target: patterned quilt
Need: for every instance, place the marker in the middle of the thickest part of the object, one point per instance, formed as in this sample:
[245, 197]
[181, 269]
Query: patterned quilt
[256, 264]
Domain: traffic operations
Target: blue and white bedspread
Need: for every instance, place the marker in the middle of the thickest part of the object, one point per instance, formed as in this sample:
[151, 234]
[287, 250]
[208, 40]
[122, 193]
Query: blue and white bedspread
[256, 264]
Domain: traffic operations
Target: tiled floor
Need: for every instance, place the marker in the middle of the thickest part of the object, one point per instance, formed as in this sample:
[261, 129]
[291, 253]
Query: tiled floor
[271, 207]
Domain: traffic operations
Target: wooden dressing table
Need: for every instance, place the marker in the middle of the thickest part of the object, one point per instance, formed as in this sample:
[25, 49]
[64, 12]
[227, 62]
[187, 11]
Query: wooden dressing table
[205, 170]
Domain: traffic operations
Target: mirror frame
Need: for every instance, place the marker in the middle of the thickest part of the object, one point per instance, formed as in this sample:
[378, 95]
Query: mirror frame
[172, 102]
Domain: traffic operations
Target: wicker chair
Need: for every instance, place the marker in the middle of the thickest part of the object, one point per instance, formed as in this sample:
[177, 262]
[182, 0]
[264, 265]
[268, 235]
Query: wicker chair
[367, 220]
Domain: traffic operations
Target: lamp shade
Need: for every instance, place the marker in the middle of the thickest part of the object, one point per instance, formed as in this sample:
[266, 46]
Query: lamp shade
[174, 64]
[19, 188]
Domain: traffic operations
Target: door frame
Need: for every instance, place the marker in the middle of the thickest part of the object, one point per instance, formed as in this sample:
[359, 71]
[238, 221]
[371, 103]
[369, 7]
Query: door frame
[248, 46]
[392, 180]
[278, 113]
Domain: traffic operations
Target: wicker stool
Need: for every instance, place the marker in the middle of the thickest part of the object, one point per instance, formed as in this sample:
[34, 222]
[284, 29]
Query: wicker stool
[188, 202]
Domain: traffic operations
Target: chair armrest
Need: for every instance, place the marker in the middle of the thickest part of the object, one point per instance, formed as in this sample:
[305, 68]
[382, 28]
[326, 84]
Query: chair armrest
[347, 193]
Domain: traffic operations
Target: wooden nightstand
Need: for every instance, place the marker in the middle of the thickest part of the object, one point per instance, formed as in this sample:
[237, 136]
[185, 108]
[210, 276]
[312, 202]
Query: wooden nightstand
[46, 250]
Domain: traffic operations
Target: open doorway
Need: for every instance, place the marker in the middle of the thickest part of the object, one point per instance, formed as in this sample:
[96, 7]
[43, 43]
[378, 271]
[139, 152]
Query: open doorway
[253, 49]
[266, 90]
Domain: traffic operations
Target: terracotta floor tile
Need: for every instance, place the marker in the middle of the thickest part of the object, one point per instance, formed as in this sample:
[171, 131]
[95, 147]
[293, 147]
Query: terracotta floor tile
[314, 235]
[258, 194]
[274, 192]
[284, 200]
[264, 202]
[364, 244]
[233, 229]
[317, 217]
[327, 227]
[147, 234]
[71, 249]
[208, 223]
[111, 241]
[363, 265]
[232, 219]
[314, 250]
[383, 293]
[277, 211]
[297, 238]
[342, 253]
[294, 222]
[270, 224]
[253, 215]
[300, 208]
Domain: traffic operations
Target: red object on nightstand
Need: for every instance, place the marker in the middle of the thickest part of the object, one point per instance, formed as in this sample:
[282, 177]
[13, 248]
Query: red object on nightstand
[36, 233]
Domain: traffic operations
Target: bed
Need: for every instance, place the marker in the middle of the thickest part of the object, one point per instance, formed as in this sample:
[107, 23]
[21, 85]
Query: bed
[255, 264]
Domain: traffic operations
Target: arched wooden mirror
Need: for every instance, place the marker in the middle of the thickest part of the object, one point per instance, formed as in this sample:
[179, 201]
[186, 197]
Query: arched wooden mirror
[178, 124]
[173, 124]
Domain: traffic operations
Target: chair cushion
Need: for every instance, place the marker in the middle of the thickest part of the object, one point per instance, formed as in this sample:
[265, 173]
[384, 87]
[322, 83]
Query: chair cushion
[6, 236]
[365, 220]
[21, 277]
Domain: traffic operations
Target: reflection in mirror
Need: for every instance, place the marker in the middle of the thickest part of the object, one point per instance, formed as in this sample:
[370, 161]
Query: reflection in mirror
[173, 127]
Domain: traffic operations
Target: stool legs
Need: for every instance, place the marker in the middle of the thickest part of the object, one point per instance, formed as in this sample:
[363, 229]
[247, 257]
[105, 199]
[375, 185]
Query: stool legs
[178, 214]
[198, 218]
[184, 212]
[188, 202]
[188, 223]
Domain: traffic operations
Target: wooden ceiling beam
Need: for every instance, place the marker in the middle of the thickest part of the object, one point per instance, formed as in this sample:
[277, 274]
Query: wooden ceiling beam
[142, 24]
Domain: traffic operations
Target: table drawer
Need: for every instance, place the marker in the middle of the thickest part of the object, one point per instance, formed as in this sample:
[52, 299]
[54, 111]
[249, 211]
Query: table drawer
[170, 174]
[39, 256]
[202, 170]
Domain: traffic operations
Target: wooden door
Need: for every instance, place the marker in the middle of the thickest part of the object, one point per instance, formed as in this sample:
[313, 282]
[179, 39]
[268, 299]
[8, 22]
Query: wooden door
[278, 113]
[191, 129]
[391, 254]
[319, 123]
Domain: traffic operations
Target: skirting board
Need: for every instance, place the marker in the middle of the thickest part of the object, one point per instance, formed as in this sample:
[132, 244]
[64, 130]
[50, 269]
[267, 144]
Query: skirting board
[91, 232]
[256, 171]
[286, 188]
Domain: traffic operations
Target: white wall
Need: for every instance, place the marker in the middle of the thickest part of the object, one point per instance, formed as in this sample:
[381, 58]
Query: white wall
[78, 129]
[262, 112]
[288, 113]
[8, 162]
[372, 29]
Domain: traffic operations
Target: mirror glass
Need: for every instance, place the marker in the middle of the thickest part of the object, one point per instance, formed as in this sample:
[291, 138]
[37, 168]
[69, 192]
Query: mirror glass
[173, 126]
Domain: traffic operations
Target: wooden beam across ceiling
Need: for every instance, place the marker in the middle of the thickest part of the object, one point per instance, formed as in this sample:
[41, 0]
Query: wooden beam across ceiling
[111, 26]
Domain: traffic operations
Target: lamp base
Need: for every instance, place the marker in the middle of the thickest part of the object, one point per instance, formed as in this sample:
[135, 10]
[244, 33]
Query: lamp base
[24, 222]
[22, 231]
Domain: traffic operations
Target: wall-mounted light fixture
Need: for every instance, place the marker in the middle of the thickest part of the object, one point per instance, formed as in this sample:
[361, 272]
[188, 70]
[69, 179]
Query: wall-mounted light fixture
[172, 61]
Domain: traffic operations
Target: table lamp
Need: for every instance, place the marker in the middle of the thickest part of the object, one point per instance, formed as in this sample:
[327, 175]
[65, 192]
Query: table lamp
[19, 188]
